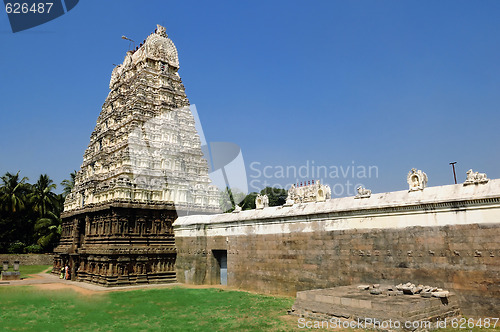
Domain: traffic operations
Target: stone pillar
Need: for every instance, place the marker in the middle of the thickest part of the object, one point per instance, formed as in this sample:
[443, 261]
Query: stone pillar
[73, 269]
[87, 225]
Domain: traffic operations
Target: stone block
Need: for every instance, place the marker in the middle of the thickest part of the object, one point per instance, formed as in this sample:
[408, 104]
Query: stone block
[441, 294]
[11, 275]
[346, 301]
[394, 293]
[336, 300]
[365, 304]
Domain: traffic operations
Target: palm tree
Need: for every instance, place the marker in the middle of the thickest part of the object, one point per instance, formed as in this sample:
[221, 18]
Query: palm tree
[48, 230]
[42, 197]
[68, 184]
[13, 192]
[13, 211]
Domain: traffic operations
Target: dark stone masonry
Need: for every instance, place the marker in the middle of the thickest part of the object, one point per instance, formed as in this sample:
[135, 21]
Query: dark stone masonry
[464, 258]
[444, 236]
[118, 244]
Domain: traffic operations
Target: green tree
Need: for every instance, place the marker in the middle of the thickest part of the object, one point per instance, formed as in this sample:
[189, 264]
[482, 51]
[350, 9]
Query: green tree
[48, 205]
[42, 197]
[277, 196]
[13, 192]
[29, 214]
[249, 202]
[48, 231]
[68, 184]
[230, 197]
[15, 213]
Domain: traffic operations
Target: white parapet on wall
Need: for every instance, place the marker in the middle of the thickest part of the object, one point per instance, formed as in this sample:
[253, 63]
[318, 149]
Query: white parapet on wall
[434, 206]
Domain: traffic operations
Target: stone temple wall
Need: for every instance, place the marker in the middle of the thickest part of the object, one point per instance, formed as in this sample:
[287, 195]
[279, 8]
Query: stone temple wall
[28, 259]
[445, 236]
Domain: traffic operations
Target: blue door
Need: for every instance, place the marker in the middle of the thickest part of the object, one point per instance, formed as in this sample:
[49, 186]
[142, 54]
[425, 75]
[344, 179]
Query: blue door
[223, 268]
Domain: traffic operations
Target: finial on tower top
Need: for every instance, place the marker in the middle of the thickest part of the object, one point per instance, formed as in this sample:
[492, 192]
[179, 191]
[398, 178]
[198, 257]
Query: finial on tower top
[162, 31]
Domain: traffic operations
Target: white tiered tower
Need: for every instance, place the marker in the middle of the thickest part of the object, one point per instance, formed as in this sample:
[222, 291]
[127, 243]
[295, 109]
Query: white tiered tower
[145, 147]
[143, 168]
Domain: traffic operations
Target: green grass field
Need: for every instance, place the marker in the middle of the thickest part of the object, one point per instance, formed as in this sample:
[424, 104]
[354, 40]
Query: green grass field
[27, 308]
[168, 309]
[30, 269]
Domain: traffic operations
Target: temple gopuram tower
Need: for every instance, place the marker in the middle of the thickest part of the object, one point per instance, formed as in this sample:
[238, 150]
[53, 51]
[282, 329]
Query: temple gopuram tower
[143, 167]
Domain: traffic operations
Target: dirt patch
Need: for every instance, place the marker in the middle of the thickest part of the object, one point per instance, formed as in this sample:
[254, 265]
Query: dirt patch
[204, 286]
[80, 288]
[36, 276]
[61, 286]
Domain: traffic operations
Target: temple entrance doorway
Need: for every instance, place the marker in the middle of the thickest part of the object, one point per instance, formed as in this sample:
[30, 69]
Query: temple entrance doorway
[221, 256]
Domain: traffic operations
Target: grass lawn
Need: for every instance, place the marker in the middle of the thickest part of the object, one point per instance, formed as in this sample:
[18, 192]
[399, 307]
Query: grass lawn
[168, 309]
[30, 269]
[26, 308]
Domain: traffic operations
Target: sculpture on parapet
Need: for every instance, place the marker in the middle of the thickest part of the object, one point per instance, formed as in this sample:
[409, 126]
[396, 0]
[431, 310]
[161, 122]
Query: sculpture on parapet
[290, 198]
[323, 192]
[363, 192]
[475, 178]
[315, 192]
[261, 202]
[417, 180]
[237, 208]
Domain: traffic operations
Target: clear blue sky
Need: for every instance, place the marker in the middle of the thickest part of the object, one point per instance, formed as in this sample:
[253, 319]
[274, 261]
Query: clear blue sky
[391, 84]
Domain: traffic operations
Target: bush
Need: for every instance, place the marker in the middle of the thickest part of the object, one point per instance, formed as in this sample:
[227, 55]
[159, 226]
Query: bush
[33, 249]
[16, 248]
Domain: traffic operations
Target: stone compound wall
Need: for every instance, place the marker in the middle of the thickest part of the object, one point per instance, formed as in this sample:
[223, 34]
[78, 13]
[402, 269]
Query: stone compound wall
[28, 259]
[445, 236]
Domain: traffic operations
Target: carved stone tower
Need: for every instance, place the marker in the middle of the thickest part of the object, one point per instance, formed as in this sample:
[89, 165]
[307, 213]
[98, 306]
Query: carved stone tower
[143, 167]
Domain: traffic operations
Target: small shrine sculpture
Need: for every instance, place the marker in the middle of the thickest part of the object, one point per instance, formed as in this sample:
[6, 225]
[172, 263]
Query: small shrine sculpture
[289, 201]
[475, 178]
[261, 202]
[417, 180]
[363, 192]
[308, 192]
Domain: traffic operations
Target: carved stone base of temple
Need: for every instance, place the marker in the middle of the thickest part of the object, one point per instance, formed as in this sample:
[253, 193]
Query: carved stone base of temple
[118, 244]
[119, 270]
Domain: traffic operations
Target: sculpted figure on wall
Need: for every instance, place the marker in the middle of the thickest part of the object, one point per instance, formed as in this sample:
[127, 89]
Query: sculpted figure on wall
[363, 192]
[261, 202]
[322, 192]
[417, 180]
[315, 192]
[475, 178]
[290, 199]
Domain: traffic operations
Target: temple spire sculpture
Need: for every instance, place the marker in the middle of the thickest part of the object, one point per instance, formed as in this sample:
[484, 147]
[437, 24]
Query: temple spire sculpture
[142, 168]
[145, 147]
